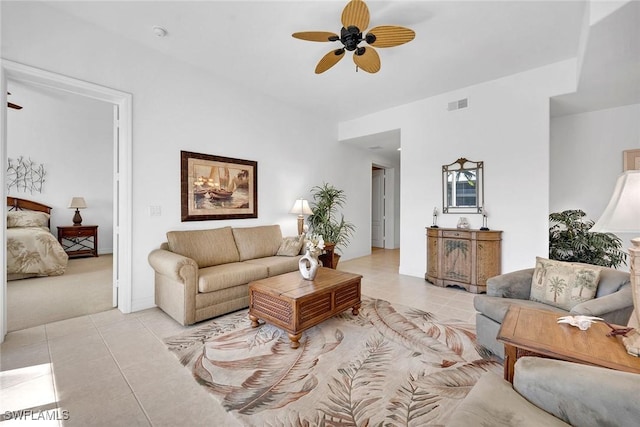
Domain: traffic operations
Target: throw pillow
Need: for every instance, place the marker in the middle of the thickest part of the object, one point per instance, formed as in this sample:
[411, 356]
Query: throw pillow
[290, 246]
[563, 284]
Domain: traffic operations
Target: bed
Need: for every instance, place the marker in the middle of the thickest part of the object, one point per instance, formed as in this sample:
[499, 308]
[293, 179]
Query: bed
[32, 250]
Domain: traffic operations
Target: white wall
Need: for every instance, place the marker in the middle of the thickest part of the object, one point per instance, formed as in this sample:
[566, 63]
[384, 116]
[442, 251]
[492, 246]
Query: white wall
[179, 107]
[586, 158]
[507, 126]
[73, 137]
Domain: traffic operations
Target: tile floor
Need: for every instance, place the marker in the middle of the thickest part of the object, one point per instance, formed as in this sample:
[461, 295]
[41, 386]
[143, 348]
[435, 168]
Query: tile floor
[113, 369]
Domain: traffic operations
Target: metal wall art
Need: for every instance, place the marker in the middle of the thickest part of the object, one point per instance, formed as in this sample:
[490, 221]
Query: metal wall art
[25, 175]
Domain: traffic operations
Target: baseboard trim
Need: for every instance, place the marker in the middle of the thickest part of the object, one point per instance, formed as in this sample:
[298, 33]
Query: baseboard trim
[142, 304]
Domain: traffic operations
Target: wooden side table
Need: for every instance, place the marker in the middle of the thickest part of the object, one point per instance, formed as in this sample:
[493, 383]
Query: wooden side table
[79, 240]
[531, 332]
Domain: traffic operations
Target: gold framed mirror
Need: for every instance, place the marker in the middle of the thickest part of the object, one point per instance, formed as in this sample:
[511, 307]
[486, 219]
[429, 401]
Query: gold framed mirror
[463, 187]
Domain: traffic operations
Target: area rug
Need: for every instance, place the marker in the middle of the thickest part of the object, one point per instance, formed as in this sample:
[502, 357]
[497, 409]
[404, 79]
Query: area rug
[391, 365]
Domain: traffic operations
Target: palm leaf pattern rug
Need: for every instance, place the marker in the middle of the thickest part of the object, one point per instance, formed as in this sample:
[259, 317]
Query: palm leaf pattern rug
[391, 365]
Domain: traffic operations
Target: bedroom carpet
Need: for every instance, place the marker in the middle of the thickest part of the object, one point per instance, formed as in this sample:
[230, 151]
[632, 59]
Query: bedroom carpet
[391, 365]
[85, 288]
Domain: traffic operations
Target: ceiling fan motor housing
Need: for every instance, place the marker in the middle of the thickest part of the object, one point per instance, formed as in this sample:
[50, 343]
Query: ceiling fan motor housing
[350, 37]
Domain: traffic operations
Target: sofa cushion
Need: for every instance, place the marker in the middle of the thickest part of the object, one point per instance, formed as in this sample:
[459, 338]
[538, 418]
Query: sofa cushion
[611, 281]
[257, 242]
[290, 246]
[495, 308]
[493, 402]
[206, 247]
[563, 284]
[225, 276]
[277, 264]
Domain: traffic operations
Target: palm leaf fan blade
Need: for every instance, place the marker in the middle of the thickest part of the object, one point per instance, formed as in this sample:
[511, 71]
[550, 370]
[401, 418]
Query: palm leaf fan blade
[369, 60]
[316, 36]
[391, 35]
[329, 60]
[355, 13]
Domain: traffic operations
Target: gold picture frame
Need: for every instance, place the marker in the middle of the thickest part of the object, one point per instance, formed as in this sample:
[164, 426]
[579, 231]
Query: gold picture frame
[215, 187]
[631, 160]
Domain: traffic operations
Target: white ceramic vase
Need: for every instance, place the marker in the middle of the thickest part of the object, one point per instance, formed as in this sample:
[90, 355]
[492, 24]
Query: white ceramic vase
[308, 266]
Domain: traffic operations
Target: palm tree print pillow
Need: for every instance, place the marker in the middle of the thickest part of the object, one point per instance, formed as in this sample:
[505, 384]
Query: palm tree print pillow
[563, 284]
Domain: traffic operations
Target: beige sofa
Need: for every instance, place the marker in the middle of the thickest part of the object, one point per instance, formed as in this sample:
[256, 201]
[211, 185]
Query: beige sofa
[200, 274]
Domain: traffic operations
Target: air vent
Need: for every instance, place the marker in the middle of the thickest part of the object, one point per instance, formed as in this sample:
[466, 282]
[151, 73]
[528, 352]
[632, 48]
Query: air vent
[456, 105]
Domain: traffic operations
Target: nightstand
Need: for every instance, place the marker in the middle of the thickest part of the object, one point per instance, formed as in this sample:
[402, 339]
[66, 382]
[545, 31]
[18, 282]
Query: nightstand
[79, 240]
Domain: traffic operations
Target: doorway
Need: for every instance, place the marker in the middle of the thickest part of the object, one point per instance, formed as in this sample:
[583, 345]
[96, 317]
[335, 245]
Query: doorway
[385, 207]
[11, 71]
[377, 207]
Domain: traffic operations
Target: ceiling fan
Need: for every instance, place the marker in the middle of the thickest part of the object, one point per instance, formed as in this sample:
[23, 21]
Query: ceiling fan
[12, 105]
[355, 19]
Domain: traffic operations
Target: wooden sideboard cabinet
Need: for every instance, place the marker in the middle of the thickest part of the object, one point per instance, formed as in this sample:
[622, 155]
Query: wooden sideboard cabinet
[464, 258]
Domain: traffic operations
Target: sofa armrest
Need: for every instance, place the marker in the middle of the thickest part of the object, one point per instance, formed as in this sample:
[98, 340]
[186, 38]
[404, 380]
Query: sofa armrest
[171, 264]
[580, 395]
[176, 284]
[516, 284]
[614, 308]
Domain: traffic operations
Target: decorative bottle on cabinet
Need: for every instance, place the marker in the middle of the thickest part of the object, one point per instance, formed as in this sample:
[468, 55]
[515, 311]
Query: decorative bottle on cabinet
[464, 258]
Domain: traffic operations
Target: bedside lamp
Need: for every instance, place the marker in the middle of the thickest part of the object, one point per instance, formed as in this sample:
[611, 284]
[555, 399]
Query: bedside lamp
[77, 203]
[622, 215]
[301, 207]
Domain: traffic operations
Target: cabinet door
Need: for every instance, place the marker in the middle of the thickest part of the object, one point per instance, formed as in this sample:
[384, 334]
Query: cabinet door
[488, 260]
[456, 260]
[432, 257]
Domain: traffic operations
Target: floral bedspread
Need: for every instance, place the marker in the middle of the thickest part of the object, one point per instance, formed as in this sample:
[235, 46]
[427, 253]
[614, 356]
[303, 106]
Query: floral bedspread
[34, 250]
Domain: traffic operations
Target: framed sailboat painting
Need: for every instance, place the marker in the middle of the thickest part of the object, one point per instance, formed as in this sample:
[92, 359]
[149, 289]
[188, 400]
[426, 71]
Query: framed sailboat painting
[215, 187]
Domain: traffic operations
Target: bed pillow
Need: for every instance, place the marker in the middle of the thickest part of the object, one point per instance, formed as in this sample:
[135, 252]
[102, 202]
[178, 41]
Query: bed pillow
[17, 219]
[290, 246]
[563, 284]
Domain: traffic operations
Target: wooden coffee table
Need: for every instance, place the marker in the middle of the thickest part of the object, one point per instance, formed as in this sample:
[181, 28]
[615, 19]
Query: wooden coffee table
[295, 304]
[531, 332]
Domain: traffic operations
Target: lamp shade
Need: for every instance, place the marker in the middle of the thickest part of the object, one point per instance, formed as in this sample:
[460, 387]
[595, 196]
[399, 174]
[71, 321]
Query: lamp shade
[622, 214]
[301, 207]
[77, 203]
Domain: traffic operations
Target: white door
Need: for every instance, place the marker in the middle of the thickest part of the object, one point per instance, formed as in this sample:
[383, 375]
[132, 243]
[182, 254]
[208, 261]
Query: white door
[116, 203]
[377, 208]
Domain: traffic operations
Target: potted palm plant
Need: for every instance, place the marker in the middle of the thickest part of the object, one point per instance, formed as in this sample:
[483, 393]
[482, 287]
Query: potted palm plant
[327, 220]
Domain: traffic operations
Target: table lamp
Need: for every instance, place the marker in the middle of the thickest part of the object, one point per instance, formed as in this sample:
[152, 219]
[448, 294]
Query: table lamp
[301, 208]
[77, 203]
[622, 215]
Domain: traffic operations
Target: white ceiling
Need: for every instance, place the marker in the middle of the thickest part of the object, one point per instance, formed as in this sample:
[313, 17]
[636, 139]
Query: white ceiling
[457, 44]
